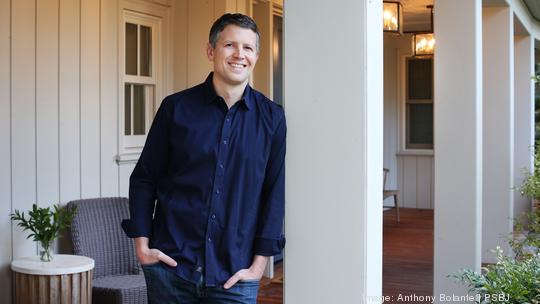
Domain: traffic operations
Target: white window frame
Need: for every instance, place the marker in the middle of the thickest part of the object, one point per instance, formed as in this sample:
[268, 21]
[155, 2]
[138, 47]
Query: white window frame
[402, 108]
[157, 17]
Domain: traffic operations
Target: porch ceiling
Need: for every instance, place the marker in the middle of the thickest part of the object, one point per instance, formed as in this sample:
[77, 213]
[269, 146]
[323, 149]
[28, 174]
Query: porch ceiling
[416, 15]
[534, 8]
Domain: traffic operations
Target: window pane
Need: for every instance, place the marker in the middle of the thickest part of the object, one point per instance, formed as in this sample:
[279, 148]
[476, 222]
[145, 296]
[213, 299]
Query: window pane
[127, 109]
[146, 51]
[131, 49]
[420, 78]
[139, 125]
[420, 125]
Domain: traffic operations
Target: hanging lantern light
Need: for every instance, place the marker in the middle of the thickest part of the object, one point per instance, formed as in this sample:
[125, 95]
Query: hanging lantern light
[424, 42]
[392, 17]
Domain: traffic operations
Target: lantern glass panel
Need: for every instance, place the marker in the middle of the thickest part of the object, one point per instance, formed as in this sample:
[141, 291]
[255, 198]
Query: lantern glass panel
[392, 17]
[424, 44]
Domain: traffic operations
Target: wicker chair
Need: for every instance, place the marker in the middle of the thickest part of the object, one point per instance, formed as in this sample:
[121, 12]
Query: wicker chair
[96, 233]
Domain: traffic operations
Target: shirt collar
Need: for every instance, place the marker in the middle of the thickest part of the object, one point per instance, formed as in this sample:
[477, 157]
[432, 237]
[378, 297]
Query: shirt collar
[211, 95]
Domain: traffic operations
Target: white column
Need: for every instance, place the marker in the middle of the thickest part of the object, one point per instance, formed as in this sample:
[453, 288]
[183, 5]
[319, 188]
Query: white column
[334, 106]
[498, 128]
[458, 142]
[523, 115]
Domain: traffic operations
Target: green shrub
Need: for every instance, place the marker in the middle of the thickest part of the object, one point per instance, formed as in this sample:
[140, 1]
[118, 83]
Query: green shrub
[508, 281]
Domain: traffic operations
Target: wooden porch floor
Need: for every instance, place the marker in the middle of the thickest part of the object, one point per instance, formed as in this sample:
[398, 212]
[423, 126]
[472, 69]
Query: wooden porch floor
[407, 258]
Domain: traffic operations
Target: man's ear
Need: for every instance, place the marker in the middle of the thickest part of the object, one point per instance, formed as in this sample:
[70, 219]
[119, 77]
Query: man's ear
[209, 51]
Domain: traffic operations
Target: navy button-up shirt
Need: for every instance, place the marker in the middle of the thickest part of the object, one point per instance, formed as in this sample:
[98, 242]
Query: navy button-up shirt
[216, 178]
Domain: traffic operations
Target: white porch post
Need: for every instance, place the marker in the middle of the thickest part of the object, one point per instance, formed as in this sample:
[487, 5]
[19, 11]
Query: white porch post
[458, 144]
[498, 136]
[334, 106]
[524, 115]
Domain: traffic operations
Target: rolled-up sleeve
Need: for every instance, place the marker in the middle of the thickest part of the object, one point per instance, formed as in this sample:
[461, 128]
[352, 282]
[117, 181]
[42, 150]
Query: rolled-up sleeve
[150, 168]
[269, 239]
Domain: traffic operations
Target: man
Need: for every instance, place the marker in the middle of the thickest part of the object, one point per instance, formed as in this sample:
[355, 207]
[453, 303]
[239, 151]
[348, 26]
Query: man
[214, 161]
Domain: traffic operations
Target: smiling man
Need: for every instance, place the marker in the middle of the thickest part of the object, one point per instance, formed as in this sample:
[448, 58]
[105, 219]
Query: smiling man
[207, 194]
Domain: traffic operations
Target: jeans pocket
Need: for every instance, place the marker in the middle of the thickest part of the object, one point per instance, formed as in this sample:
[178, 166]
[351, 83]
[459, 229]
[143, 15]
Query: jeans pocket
[150, 264]
[249, 281]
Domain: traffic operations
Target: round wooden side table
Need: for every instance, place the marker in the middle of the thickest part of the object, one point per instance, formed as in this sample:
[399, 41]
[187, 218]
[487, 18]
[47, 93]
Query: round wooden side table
[66, 279]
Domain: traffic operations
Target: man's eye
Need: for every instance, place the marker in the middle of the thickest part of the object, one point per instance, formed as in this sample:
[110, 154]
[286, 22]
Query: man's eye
[248, 48]
[228, 44]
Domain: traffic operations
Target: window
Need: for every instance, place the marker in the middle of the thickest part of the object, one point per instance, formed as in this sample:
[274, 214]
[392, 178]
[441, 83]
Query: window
[140, 70]
[419, 104]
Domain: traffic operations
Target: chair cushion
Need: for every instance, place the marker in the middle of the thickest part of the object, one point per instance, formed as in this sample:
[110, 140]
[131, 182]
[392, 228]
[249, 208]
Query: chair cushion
[119, 289]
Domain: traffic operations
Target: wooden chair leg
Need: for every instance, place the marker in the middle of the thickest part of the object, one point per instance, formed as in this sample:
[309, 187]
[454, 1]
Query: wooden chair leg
[396, 207]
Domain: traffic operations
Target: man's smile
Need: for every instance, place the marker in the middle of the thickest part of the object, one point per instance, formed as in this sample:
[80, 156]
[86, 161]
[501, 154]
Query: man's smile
[239, 66]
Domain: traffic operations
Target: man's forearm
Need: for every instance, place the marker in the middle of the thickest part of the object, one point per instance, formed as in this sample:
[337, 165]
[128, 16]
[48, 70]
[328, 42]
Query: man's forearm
[141, 242]
[259, 263]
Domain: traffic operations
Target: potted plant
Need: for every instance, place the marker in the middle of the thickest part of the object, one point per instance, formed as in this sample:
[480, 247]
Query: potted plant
[45, 225]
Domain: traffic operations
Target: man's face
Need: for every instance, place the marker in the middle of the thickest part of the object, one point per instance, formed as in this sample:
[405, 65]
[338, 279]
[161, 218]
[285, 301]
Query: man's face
[235, 55]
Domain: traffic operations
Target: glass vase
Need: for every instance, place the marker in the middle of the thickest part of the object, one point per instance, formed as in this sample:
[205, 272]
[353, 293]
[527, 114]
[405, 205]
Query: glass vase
[46, 251]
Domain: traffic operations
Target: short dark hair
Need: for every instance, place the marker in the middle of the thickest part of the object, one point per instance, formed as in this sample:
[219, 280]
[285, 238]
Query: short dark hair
[240, 20]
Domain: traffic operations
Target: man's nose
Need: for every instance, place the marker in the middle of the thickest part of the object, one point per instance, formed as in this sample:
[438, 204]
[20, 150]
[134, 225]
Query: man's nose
[239, 52]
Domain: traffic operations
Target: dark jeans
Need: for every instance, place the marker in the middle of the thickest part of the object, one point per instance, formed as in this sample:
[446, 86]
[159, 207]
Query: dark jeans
[163, 286]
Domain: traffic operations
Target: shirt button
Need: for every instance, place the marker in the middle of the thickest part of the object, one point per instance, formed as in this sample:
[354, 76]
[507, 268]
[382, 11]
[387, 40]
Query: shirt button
[210, 240]
[228, 119]
[213, 216]
[217, 191]
[221, 166]
[224, 141]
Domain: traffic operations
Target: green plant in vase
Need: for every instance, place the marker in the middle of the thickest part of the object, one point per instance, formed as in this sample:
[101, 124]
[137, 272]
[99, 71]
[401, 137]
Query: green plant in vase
[45, 225]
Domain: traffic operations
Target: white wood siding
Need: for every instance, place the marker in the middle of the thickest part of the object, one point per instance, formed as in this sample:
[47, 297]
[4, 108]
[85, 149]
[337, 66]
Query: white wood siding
[109, 99]
[58, 110]
[23, 115]
[69, 100]
[411, 174]
[90, 93]
[415, 181]
[5, 147]
[59, 95]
